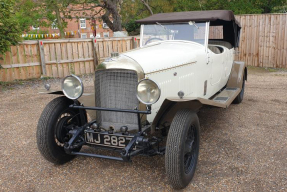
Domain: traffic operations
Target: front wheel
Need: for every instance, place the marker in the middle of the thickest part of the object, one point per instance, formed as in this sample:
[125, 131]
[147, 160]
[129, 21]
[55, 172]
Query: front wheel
[182, 148]
[53, 127]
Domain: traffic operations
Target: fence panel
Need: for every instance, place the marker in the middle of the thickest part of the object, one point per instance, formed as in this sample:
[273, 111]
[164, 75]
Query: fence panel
[263, 40]
[21, 62]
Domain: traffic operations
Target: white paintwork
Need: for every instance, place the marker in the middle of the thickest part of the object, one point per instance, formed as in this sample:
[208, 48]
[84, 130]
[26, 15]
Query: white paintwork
[183, 66]
[165, 54]
[177, 65]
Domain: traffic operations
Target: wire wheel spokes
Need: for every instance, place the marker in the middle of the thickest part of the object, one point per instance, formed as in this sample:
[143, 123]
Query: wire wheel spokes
[190, 150]
[62, 126]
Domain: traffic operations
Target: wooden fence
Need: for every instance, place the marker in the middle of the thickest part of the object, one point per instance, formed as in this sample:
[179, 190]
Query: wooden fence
[263, 41]
[58, 58]
[263, 44]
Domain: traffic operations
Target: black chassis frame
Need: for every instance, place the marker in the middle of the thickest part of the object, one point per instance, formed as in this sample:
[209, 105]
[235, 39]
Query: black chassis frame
[144, 145]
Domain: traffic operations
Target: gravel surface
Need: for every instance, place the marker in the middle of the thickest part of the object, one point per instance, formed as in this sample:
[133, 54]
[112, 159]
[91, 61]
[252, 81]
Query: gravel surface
[243, 148]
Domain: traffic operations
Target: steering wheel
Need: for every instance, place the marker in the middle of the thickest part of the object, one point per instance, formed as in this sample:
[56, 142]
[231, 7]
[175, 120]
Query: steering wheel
[155, 38]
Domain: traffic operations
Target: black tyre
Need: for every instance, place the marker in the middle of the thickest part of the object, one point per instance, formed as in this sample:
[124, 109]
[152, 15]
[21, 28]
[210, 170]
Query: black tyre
[182, 148]
[52, 129]
[240, 96]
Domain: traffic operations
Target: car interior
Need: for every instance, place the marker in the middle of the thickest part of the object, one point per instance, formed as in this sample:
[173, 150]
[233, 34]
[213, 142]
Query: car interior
[216, 49]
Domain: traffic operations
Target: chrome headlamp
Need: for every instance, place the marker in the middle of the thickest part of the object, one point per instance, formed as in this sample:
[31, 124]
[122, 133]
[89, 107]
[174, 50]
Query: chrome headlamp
[148, 92]
[72, 87]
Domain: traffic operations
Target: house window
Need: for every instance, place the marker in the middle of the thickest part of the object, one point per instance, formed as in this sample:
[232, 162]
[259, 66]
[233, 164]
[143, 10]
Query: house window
[106, 34]
[91, 35]
[105, 26]
[54, 24]
[98, 35]
[35, 28]
[83, 23]
[84, 35]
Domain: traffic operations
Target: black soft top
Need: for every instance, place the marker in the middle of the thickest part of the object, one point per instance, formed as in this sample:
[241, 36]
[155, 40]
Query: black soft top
[226, 18]
[186, 16]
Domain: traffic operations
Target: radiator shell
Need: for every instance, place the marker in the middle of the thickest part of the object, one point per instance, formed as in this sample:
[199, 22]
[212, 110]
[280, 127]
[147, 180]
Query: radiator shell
[116, 88]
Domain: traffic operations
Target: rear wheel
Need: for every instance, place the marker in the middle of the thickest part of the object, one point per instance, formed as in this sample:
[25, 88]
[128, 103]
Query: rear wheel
[239, 97]
[182, 148]
[53, 128]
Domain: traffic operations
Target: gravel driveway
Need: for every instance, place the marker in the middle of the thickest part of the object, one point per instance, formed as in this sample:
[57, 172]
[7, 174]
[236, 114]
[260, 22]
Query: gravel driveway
[243, 148]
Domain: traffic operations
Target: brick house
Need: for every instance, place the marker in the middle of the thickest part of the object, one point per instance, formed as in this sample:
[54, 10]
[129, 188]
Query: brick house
[80, 27]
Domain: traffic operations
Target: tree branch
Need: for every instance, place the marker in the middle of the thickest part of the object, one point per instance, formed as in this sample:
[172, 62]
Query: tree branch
[107, 20]
[147, 6]
[88, 8]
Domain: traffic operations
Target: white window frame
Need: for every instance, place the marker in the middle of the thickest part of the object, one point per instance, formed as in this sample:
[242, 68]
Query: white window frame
[141, 35]
[84, 34]
[98, 35]
[91, 35]
[33, 28]
[83, 25]
[106, 33]
[206, 36]
[54, 24]
[105, 26]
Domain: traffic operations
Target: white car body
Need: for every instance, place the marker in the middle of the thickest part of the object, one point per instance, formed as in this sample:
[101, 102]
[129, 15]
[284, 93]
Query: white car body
[158, 87]
[183, 66]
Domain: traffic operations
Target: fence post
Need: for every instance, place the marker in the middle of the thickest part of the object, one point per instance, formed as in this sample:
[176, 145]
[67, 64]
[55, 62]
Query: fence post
[96, 62]
[134, 43]
[42, 58]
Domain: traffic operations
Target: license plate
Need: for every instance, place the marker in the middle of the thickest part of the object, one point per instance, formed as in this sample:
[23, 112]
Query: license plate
[108, 140]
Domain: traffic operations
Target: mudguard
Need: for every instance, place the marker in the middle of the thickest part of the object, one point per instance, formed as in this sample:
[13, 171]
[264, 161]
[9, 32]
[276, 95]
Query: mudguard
[87, 99]
[234, 85]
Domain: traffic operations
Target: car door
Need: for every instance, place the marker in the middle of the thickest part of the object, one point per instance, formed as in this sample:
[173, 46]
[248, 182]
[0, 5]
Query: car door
[216, 61]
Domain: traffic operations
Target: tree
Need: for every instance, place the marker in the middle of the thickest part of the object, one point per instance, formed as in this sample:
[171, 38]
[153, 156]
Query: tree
[145, 2]
[27, 15]
[245, 6]
[55, 13]
[267, 6]
[9, 26]
[108, 10]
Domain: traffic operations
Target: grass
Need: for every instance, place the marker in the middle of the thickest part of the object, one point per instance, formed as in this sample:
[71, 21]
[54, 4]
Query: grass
[10, 84]
[253, 69]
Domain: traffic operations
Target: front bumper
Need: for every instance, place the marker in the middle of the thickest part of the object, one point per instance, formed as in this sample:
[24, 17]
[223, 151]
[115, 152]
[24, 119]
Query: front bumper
[144, 145]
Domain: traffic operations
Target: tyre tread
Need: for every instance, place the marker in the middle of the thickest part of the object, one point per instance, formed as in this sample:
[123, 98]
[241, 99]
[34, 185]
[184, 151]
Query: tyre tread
[43, 142]
[173, 151]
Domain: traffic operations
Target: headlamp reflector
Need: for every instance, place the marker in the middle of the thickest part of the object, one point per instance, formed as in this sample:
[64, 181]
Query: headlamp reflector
[148, 92]
[72, 87]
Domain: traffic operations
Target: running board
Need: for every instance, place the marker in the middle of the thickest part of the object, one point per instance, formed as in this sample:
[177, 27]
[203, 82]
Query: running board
[222, 99]
[226, 96]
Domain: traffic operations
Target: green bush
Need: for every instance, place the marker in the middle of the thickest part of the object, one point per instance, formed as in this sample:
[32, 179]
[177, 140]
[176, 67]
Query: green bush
[132, 27]
[9, 26]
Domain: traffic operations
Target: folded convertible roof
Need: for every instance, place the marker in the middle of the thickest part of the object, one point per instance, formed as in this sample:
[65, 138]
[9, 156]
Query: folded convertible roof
[213, 15]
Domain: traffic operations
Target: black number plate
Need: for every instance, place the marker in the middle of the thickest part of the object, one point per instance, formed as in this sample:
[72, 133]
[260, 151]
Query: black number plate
[108, 140]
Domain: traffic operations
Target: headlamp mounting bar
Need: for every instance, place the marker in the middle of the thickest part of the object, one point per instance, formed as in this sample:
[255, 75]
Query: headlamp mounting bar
[111, 109]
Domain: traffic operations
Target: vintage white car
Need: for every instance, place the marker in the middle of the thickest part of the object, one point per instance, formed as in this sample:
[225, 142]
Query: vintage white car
[143, 95]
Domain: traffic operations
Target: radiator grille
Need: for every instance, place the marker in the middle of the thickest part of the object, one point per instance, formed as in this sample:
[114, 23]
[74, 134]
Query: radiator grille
[116, 88]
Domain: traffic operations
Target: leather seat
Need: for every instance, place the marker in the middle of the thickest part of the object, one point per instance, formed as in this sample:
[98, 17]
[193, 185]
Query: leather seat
[214, 49]
[222, 43]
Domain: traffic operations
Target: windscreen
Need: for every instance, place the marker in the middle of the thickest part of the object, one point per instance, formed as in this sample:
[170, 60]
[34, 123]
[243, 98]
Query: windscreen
[164, 32]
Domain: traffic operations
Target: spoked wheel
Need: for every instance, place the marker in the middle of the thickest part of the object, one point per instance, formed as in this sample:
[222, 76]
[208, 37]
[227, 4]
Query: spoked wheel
[63, 126]
[54, 125]
[190, 150]
[182, 148]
